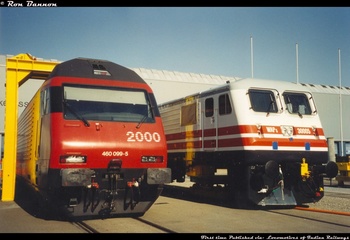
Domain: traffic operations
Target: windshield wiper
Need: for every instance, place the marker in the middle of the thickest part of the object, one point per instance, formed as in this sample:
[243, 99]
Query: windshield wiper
[272, 101]
[76, 114]
[143, 119]
[299, 114]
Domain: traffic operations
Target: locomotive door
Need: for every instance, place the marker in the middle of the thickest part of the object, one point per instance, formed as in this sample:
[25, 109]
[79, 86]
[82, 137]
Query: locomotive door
[217, 114]
[210, 124]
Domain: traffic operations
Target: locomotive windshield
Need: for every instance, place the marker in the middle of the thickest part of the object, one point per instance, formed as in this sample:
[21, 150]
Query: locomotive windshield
[297, 103]
[106, 104]
[263, 100]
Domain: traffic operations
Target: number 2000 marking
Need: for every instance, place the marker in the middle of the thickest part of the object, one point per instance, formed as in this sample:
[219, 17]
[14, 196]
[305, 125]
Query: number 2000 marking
[140, 137]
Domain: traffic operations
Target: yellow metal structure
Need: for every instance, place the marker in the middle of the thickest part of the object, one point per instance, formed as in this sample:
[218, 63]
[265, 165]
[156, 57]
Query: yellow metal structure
[343, 163]
[189, 138]
[19, 69]
[344, 167]
[304, 169]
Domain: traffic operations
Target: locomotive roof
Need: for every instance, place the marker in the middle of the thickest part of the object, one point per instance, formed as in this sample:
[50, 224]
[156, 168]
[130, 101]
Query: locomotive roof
[95, 68]
[265, 83]
[245, 83]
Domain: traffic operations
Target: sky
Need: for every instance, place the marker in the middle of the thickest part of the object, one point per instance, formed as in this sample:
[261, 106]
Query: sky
[305, 44]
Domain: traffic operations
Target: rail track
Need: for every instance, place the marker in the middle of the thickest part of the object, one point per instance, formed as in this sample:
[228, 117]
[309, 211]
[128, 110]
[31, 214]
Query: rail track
[179, 211]
[85, 227]
[129, 225]
[336, 200]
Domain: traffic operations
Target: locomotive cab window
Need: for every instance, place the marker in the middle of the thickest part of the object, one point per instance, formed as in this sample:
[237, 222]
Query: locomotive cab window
[263, 101]
[112, 104]
[224, 104]
[45, 102]
[297, 103]
[209, 107]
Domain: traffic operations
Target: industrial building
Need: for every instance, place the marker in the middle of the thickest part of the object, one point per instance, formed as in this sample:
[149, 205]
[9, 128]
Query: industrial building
[332, 101]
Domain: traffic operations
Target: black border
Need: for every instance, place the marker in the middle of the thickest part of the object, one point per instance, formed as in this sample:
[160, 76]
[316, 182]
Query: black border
[111, 3]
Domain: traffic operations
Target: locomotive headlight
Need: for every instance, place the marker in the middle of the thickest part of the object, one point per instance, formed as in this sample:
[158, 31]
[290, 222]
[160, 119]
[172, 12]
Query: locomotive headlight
[152, 159]
[72, 159]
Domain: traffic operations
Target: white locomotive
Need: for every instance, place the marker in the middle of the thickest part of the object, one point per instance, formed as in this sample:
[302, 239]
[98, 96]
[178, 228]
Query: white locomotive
[265, 137]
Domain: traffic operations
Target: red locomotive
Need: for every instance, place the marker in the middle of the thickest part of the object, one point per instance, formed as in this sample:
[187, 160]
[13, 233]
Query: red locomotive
[91, 141]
